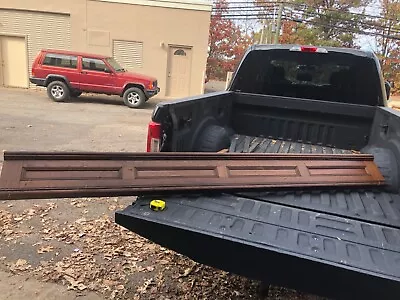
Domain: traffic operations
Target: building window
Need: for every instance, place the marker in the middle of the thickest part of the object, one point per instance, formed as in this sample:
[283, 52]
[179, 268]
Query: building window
[180, 52]
[93, 64]
[59, 60]
[129, 54]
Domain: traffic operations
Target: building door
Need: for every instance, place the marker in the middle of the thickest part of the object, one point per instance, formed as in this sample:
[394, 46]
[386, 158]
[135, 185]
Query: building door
[14, 66]
[179, 65]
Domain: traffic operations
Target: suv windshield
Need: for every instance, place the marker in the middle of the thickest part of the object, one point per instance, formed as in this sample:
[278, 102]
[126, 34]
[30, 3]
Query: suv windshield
[116, 66]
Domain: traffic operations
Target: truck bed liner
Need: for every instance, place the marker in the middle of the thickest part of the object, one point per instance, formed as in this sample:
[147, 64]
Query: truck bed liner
[250, 144]
[372, 205]
[341, 243]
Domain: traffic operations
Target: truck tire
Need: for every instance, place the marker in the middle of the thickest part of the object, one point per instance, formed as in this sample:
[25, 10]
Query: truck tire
[134, 97]
[213, 139]
[58, 91]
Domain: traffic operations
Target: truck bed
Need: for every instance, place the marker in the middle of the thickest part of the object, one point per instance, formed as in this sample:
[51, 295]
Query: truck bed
[339, 243]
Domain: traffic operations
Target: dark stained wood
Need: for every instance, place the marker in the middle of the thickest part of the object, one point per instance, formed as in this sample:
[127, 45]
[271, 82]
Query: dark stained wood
[49, 175]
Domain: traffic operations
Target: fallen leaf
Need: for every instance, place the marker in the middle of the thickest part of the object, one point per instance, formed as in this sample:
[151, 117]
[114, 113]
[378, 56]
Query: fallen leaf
[81, 287]
[187, 271]
[20, 265]
[127, 254]
[80, 221]
[21, 262]
[7, 232]
[31, 212]
[69, 272]
[45, 249]
[109, 282]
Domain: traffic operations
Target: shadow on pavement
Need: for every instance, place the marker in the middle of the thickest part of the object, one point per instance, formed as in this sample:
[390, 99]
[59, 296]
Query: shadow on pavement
[111, 100]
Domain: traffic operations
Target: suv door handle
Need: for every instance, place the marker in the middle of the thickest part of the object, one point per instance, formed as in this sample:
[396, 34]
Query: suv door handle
[83, 72]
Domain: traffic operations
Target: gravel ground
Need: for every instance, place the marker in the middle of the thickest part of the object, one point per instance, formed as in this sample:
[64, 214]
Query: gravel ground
[71, 247]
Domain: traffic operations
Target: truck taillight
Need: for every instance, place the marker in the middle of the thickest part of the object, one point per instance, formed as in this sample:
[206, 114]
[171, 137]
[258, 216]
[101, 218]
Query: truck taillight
[153, 137]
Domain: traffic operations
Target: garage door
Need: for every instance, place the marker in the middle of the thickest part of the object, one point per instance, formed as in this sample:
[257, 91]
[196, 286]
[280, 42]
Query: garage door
[14, 67]
[41, 30]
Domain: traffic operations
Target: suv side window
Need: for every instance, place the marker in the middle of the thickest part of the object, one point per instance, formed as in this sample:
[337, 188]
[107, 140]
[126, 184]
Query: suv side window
[93, 64]
[60, 60]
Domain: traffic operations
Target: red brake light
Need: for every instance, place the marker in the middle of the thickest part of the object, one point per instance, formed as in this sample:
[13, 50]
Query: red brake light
[153, 137]
[308, 49]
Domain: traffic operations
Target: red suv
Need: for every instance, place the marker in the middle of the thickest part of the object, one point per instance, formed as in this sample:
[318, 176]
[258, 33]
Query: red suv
[68, 74]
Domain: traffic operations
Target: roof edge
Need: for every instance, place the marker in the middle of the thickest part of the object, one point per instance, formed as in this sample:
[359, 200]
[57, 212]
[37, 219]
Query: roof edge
[74, 53]
[201, 5]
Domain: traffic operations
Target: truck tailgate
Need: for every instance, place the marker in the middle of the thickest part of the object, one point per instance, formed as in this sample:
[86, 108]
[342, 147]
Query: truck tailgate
[343, 244]
[339, 243]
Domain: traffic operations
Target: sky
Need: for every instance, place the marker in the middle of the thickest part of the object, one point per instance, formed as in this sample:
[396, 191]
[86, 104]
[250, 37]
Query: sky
[367, 43]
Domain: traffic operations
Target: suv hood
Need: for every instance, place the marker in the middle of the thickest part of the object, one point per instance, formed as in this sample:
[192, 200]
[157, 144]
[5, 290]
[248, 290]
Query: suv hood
[137, 76]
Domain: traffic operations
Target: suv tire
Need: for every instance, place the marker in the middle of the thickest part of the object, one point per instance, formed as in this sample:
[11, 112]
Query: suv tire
[134, 97]
[58, 91]
[76, 94]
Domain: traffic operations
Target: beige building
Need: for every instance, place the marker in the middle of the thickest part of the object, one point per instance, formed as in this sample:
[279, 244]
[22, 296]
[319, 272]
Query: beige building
[163, 38]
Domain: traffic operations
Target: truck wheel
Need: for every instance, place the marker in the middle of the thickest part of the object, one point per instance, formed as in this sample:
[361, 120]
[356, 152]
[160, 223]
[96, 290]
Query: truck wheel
[134, 97]
[58, 91]
[213, 139]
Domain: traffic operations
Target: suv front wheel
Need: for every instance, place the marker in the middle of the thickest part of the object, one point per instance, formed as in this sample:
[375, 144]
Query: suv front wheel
[134, 97]
[58, 91]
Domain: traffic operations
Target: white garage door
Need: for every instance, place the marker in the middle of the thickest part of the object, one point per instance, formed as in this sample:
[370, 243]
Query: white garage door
[42, 30]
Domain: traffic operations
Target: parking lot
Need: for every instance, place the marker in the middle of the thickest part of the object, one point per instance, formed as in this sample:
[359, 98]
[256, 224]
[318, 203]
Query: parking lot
[71, 247]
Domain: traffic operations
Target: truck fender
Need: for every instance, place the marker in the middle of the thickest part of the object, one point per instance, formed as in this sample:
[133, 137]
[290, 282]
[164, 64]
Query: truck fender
[203, 126]
[132, 84]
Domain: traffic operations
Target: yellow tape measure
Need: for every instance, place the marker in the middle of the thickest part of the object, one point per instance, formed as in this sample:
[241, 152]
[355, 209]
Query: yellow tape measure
[157, 205]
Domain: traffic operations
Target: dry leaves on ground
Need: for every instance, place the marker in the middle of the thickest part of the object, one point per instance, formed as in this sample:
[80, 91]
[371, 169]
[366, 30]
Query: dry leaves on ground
[95, 254]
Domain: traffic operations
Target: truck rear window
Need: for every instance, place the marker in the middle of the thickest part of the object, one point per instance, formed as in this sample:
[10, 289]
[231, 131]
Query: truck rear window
[333, 76]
